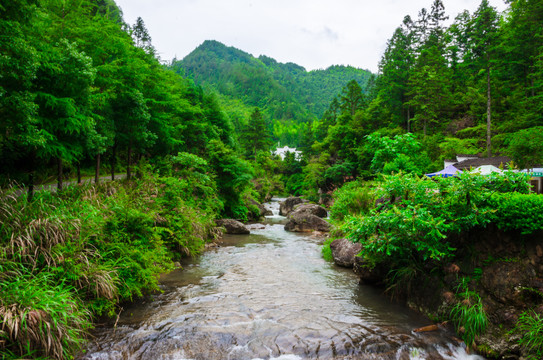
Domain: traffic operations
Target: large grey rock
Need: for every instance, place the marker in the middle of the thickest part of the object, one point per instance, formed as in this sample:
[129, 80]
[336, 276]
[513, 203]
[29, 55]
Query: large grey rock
[344, 252]
[233, 226]
[287, 206]
[306, 222]
[311, 209]
[368, 274]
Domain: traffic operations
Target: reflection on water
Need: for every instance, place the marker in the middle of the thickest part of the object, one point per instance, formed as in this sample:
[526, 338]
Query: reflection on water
[268, 295]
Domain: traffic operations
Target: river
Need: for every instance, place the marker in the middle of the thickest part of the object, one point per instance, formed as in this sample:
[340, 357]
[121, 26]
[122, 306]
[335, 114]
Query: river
[268, 295]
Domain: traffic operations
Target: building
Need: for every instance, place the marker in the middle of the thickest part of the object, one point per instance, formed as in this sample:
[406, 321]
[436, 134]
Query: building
[282, 152]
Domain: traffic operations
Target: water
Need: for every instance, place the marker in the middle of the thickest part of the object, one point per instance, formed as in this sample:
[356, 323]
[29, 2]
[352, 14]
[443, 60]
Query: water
[269, 295]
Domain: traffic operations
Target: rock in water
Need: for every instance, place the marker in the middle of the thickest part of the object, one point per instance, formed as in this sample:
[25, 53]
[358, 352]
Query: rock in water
[311, 209]
[305, 222]
[233, 226]
[287, 206]
[344, 252]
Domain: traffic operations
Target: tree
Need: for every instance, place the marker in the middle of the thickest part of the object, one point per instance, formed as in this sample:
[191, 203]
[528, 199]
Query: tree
[19, 133]
[141, 36]
[484, 37]
[63, 88]
[400, 153]
[255, 135]
[352, 98]
[526, 147]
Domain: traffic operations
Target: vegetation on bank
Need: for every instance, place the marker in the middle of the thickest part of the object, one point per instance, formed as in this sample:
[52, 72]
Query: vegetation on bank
[69, 257]
[411, 225]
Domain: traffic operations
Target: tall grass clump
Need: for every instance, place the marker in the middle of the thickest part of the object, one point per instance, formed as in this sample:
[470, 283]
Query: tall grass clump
[530, 328]
[39, 318]
[468, 315]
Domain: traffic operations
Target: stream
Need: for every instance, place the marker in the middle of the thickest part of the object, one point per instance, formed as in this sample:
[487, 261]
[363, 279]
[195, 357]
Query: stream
[268, 295]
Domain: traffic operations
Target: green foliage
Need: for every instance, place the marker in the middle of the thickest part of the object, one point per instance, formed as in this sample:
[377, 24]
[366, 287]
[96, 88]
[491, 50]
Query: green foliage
[468, 315]
[326, 250]
[81, 252]
[233, 176]
[519, 212]
[530, 327]
[400, 153]
[416, 215]
[526, 147]
[354, 198]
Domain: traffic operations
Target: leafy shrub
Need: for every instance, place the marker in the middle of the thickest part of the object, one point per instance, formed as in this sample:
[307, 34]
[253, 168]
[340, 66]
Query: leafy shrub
[353, 198]
[514, 211]
[326, 250]
[416, 214]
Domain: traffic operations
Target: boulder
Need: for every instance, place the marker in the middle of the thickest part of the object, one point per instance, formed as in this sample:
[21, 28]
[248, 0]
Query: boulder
[311, 209]
[344, 252]
[287, 206]
[233, 226]
[368, 275]
[305, 222]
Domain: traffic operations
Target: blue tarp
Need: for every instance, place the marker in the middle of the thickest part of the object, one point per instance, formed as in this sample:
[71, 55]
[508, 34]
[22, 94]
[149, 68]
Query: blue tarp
[447, 172]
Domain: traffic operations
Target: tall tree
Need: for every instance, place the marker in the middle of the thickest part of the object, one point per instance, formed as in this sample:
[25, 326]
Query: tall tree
[141, 36]
[255, 135]
[484, 39]
[352, 98]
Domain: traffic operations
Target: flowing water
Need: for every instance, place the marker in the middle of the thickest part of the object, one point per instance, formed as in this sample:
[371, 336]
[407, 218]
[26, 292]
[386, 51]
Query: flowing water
[269, 295]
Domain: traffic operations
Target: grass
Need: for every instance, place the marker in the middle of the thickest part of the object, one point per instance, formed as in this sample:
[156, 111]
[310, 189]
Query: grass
[468, 315]
[530, 326]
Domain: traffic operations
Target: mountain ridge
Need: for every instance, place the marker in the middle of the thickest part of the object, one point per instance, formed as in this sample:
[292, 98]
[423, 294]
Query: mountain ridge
[286, 92]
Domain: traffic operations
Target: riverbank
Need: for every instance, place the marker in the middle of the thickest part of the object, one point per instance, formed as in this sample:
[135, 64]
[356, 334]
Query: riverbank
[466, 251]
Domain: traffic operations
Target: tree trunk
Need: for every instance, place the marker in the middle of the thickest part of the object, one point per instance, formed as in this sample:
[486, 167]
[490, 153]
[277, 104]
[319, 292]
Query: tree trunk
[129, 161]
[488, 114]
[59, 174]
[30, 186]
[408, 120]
[113, 155]
[97, 170]
[424, 126]
[79, 173]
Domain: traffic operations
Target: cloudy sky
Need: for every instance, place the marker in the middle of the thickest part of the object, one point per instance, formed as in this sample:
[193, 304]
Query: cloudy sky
[312, 33]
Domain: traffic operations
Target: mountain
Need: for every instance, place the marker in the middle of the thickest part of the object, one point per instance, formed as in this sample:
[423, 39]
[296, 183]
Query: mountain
[289, 96]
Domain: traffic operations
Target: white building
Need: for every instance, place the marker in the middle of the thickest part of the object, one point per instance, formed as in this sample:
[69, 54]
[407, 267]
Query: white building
[282, 152]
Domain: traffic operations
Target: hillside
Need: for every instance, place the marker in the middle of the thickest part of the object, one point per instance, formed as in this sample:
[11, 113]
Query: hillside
[290, 97]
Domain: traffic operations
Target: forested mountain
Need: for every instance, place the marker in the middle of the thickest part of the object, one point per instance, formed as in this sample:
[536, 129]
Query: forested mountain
[474, 87]
[290, 97]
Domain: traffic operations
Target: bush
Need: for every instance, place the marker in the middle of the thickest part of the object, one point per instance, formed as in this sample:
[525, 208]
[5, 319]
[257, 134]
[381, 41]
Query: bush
[354, 198]
[65, 257]
[514, 211]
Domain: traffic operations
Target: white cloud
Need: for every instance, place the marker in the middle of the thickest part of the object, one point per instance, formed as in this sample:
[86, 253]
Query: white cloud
[314, 34]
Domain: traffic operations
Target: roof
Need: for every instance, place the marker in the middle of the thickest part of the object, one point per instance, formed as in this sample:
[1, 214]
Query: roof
[497, 161]
[447, 172]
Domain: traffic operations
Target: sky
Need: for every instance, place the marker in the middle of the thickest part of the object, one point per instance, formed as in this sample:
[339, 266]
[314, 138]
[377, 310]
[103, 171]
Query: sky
[312, 33]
